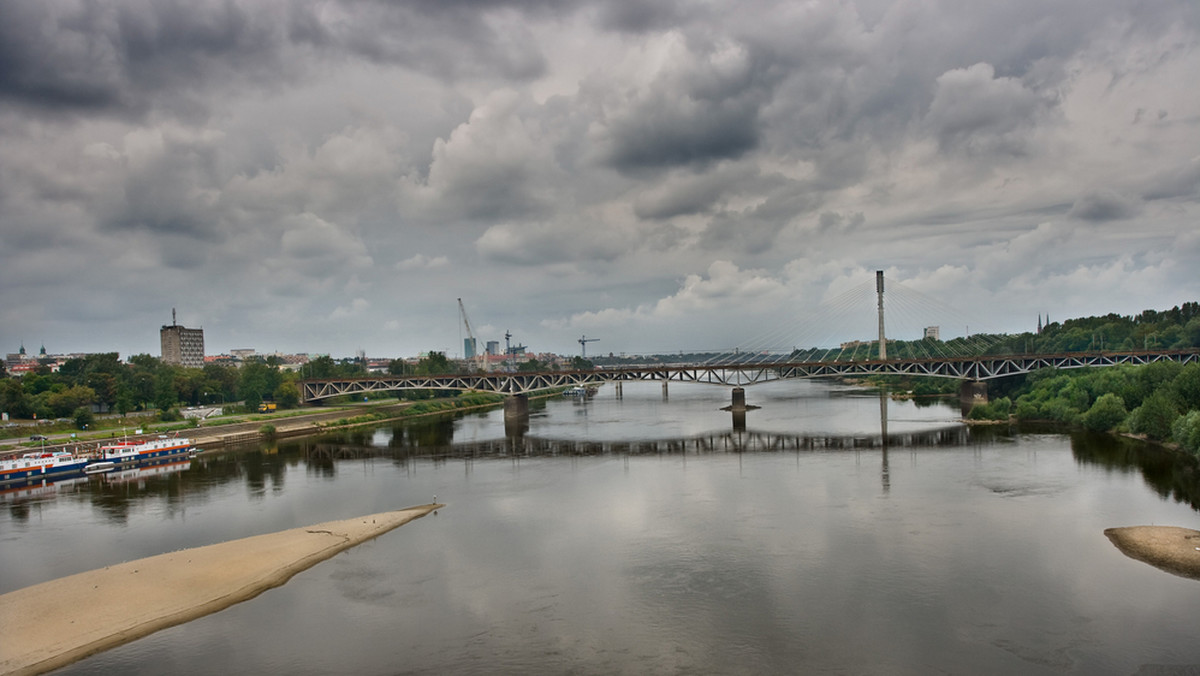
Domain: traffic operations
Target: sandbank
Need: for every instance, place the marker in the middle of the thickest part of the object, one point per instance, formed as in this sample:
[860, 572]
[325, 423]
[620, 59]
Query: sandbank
[1170, 548]
[54, 623]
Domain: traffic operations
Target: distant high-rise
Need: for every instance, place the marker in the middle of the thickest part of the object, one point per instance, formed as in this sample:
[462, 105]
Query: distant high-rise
[181, 345]
[469, 347]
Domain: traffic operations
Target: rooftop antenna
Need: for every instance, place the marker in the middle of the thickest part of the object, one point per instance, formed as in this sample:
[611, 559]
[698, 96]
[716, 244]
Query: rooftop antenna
[173, 317]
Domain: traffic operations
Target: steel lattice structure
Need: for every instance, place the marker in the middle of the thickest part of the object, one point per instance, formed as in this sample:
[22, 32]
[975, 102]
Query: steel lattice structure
[960, 368]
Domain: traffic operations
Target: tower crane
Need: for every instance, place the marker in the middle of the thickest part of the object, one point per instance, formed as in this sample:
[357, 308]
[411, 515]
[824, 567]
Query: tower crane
[583, 341]
[476, 355]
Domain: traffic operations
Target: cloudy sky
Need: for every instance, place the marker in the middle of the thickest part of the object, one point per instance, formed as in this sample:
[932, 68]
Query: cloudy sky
[324, 176]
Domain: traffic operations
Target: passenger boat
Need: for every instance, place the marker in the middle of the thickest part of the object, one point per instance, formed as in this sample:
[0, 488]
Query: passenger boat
[126, 452]
[42, 465]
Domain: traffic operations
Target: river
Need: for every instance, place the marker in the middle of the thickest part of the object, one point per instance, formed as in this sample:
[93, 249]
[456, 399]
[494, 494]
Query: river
[645, 534]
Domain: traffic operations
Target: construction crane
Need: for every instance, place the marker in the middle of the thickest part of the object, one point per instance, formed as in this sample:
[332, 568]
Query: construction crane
[476, 355]
[583, 341]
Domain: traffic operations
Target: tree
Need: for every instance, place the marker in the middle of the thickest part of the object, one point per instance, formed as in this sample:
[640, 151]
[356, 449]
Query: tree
[1108, 412]
[1186, 431]
[14, 400]
[321, 367]
[165, 395]
[84, 418]
[287, 395]
[580, 364]
[63, 402]
[1154, 417]
[531, 366]
[433, 364]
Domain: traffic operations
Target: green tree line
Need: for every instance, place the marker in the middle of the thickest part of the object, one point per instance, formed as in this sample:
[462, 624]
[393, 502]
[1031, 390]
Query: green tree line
[1160, 401]
[145, 382]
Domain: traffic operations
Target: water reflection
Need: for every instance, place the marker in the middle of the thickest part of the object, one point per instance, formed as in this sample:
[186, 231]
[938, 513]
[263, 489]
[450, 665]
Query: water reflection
[634, 535]
[1171, 474]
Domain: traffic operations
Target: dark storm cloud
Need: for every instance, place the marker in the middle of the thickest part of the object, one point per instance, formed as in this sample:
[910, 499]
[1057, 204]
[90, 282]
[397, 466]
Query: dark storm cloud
[1103, 205]
[127, 57]
[639, 16]
[110, 56]
[704, 111]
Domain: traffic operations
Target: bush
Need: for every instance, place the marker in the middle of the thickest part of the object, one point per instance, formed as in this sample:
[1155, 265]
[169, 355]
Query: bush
[84, 418]
[267, 431]
[170, 415]
[1186, 431]
[1154, 417]
[1108, 412]
[993, 410]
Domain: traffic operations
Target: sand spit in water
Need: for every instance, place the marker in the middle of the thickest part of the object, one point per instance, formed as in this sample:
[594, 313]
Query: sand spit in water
[52, 624]
[1170, 548]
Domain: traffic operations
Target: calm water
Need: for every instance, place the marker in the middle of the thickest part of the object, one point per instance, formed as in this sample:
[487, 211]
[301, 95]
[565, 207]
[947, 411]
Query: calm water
[647, 536]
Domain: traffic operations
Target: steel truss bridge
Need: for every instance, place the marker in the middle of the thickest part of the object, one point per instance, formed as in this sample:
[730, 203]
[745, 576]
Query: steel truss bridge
[740, 374]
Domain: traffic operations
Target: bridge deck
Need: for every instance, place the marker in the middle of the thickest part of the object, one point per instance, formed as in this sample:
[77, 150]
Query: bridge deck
[960, 368]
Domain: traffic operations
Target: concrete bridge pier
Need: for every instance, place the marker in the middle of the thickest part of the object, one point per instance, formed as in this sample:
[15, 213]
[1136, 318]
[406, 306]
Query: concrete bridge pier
[972, 392]
[516, 406]
[738, 408]
[665, 390]
[619, 392]
[738, 402]
[516, 415]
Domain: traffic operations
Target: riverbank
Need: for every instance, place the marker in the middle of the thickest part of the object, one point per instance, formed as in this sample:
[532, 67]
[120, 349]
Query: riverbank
[293, 423]
[52, 624]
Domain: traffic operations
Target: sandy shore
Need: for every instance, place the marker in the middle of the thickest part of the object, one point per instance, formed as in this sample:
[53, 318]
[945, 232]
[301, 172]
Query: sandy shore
[1173, 549]
[55, 623]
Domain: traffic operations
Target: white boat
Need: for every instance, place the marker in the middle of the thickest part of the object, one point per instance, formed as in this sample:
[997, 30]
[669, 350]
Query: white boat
[40, 466]
[126, 452]
[100, 467]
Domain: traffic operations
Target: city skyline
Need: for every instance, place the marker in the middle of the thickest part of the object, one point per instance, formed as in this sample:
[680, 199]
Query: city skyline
[330, 177]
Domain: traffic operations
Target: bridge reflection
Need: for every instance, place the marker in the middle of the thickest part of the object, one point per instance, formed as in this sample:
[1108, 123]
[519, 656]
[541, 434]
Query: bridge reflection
[733, 441]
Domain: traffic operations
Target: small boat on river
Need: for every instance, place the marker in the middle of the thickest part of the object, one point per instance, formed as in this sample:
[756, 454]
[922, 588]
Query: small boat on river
[100, 467]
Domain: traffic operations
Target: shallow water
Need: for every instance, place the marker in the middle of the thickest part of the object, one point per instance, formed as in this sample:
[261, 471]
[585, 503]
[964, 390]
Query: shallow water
[640, 535]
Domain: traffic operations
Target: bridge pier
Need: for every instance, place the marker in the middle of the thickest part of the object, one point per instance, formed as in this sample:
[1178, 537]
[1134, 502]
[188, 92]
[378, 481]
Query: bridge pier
[665, 390]
[516, 415]
[738, 408]
[618, 388]
[972, 392]
[516, 406]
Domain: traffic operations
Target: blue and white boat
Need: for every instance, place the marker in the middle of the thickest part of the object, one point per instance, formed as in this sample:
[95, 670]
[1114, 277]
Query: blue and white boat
[42, 465]
[125, 453]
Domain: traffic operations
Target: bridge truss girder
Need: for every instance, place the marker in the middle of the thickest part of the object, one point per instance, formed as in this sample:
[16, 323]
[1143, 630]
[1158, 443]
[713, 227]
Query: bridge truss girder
[960, 368]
